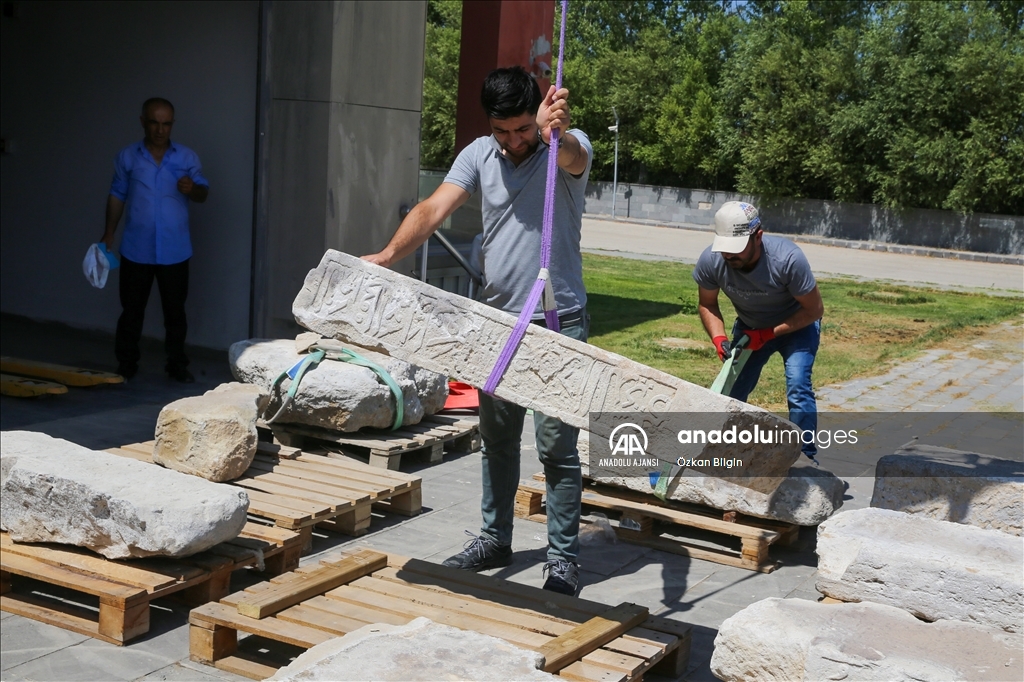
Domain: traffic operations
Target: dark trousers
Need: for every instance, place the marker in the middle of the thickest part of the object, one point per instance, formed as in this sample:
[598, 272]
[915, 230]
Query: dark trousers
[136, 281]
[798, 351]
[501, 429]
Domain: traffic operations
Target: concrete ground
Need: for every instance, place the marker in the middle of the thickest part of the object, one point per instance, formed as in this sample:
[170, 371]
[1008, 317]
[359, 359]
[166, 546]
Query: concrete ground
[697, 592]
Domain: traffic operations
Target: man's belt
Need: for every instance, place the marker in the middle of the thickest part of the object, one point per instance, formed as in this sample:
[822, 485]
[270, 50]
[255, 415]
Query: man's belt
[568, 319]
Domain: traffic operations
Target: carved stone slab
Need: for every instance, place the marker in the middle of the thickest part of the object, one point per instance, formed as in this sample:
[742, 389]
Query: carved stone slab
[349, 299]
[806, 497]
[795, 639]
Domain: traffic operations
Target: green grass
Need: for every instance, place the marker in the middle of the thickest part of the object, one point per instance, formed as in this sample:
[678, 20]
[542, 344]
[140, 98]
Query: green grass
[635, 305]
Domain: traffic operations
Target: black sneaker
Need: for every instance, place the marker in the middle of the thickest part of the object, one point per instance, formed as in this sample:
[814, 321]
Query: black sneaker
[563, 576]
[127, 371]
[479, 553]
[181, 375]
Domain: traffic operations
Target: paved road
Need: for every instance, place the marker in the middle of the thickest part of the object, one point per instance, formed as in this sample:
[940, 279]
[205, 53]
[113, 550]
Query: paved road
[634, 240]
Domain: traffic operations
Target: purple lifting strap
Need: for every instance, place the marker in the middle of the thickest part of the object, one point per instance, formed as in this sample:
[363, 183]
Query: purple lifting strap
[550, 315]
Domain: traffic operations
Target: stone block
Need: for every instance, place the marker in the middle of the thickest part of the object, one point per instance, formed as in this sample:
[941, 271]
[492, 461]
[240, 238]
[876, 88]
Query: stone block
[352, 300]
[806, 497]
[952, 485]
[212, 435]
[52, 490]
[419, 650]
[795, 639]
[932, 569]
[338, 395]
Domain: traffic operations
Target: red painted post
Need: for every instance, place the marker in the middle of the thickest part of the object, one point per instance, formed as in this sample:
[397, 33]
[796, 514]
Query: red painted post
[495, 34]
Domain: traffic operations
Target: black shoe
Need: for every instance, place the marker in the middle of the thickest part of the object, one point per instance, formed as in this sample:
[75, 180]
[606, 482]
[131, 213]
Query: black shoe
[181, 375]
[127, 371]
[479, 553]
[563, 576]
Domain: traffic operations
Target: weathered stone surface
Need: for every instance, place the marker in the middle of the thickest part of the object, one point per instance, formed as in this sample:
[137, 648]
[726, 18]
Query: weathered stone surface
[806, 497]
[56, 491]
[339, 395]
[933, 569]
[419, 650]
[795, 639]
[952, 485]
[347, 298]
[212, 435]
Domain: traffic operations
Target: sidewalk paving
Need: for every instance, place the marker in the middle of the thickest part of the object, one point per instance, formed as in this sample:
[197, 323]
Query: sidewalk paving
[988, 376]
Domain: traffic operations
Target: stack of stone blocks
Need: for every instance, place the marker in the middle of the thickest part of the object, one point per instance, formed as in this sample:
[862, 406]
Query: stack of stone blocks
[927, 583]
[56, 491]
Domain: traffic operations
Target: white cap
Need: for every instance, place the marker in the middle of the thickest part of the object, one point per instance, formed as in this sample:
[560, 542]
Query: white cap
[734, 223]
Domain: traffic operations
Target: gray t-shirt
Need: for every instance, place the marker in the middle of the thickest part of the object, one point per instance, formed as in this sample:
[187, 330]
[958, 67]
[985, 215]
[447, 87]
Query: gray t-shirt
[763, 297]
[512, 204]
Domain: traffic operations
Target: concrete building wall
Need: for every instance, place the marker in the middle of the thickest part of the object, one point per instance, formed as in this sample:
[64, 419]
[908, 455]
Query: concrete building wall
[340, 139]
[979, 232]
[74, 77]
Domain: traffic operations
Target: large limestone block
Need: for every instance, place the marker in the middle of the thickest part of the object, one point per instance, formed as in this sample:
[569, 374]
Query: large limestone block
[952, 485]
[933, 569]
[795, 639]
[339, 395]
[420, 650]
[350, 299]
[806, 497]
[212, 435]
[56, 491]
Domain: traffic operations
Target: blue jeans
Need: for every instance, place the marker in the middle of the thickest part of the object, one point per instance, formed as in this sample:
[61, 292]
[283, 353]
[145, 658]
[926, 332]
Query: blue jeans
[501, 429]
[797, 350]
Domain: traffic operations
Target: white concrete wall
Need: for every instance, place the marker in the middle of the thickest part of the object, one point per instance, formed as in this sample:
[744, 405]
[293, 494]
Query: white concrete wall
[74, 77]
[978, 232]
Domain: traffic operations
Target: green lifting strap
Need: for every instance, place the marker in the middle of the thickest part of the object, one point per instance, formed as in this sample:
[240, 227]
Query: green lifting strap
[723, 384]
[346, 355]
[664, 477]
[316, 355]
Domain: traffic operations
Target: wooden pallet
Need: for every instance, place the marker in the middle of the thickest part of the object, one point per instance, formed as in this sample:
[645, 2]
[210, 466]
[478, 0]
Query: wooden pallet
[297, 490]
[431, 438]
[126, 588]
[65, 375]
[25, 387]
[638, 514]
[581, 640]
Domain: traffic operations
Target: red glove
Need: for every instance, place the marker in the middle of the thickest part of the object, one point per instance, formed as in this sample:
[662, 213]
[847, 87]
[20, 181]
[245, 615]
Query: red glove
[758, 337]
[722, 346]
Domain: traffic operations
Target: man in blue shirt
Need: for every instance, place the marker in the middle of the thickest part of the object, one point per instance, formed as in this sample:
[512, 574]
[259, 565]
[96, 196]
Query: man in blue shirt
[155, 178]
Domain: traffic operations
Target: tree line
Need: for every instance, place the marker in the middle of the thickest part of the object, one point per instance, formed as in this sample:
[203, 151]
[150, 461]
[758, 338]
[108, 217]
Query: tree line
[914, 104]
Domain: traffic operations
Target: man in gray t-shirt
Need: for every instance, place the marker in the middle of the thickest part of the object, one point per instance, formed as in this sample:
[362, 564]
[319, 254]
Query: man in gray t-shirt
[509, 169]
[778, 307]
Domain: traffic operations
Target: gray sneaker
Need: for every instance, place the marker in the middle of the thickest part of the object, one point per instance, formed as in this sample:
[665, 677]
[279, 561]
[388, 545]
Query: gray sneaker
[563, 576]
[480, 552]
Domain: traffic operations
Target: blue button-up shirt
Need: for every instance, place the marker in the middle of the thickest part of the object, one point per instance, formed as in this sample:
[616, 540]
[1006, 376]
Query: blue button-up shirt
[156, 223]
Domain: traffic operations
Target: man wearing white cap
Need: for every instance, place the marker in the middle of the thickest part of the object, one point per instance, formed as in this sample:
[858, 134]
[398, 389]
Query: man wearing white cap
[778, 306]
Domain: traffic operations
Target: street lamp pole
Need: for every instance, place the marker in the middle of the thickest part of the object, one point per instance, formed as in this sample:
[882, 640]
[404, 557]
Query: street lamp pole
[615, 171]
